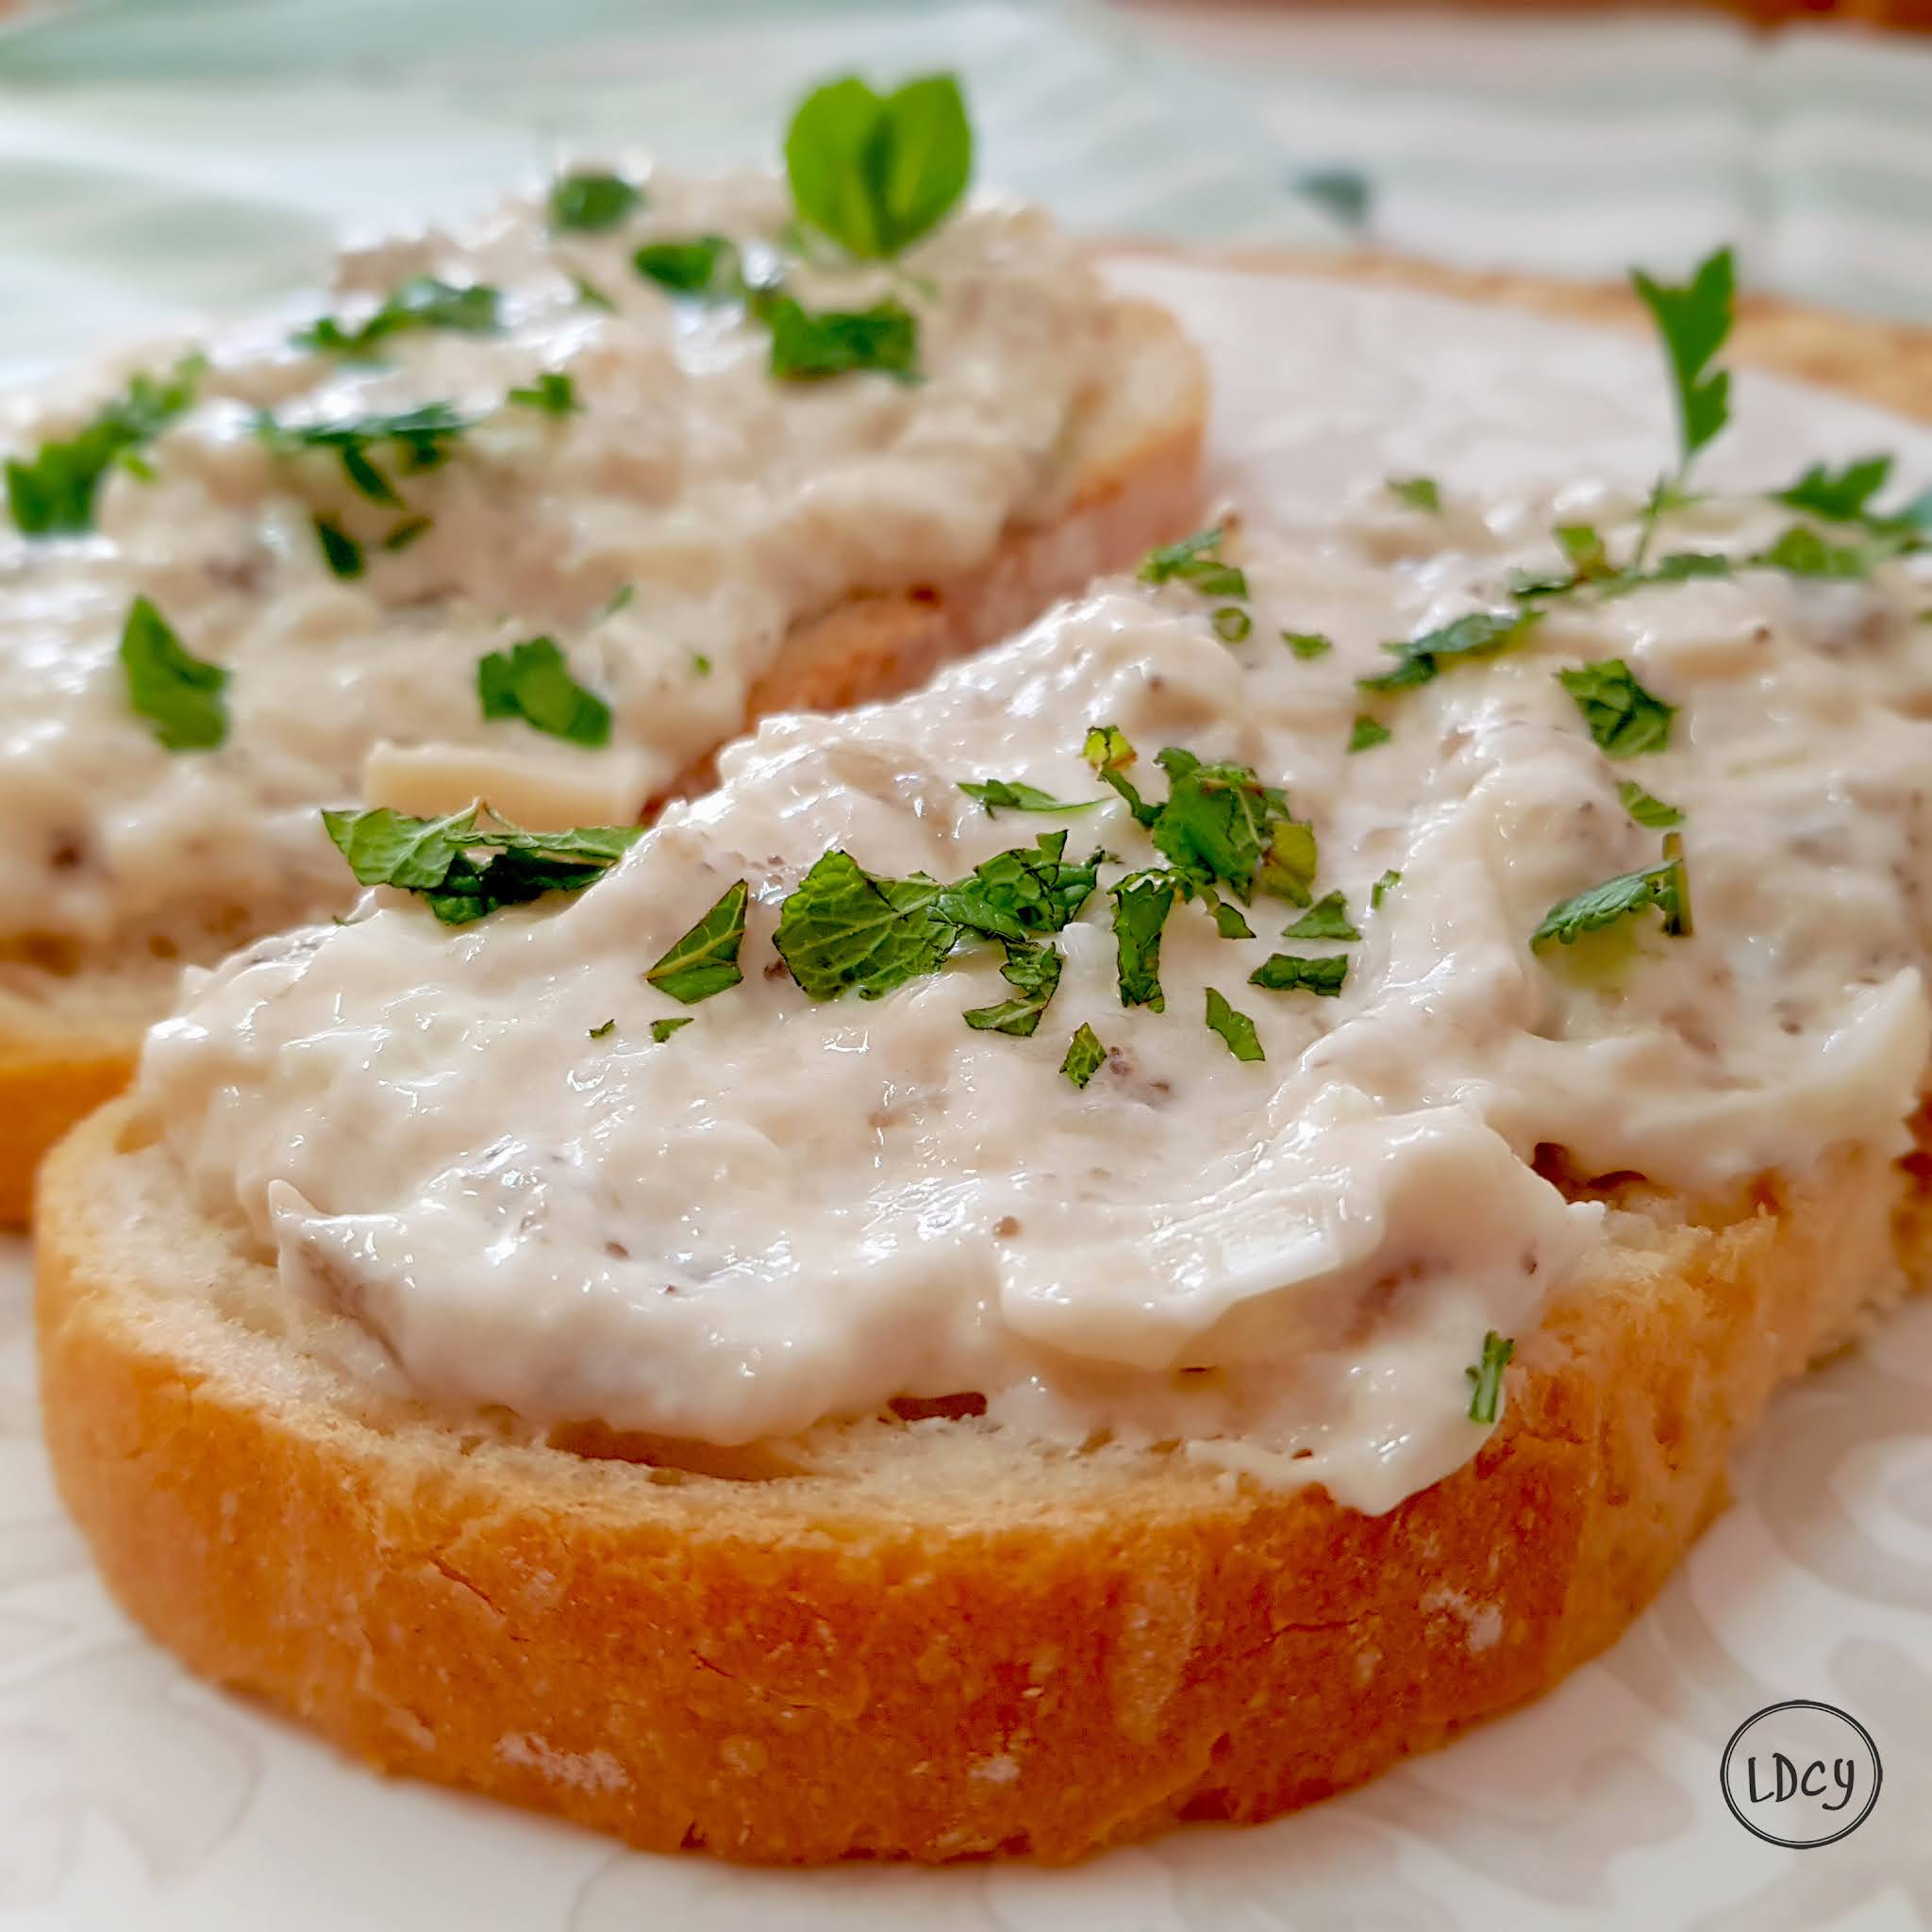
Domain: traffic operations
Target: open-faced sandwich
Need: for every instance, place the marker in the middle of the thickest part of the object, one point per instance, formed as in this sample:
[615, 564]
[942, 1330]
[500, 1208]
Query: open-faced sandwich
[542, 511]
[1132, 1235]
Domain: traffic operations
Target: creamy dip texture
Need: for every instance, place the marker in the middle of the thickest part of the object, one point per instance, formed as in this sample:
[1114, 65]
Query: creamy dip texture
[713, 505]
[792, 1210]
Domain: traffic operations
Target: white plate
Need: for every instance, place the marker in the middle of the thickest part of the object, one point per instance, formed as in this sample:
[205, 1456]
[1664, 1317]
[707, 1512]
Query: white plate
[133, 1797]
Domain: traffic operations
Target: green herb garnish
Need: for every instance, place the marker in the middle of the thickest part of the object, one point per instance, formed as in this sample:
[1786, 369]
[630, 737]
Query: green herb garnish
[1477, 634]
[1694, 322]
[1018, 895]
[1367, 733]
[421, 439]
[603, 1032]
[704, 267]
[532, 681]
[1486, 1377]
[590, 295]
[1222, 826]
[555, 392]
[843, 928]
[1326, 919]
[422, 302]
[1308, 643]
[1235, 1028]
[661, 1030]
[1085, 1055]
[54, 495]
[1196, 561]
[340, 550]
[1013, 794]
[1665, 885]
[834, 342]
[1646, 809]
[1232, 624]
[1141, 902]
[1382, 888]
[1293, 973]
[1034, 972]
[705, 960]
[405, 533]
[1418, 492]
[182, 697]
[593, 200]
[1623, 718]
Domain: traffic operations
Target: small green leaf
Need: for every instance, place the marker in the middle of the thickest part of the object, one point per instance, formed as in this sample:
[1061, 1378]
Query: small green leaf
[705, 267]
[54, 495]
[1195, 560]
[705, 960]
[1694, 322]
[834, 341]
[1232, 624]
[603, 1032]
[1624, 720]
[340, 550]
[1840, 496]
[1085, 1055]
[554, 391]
[1013, 794]
[1477, 634]
[1418, 492]
[182, 697]
[1486, 1377]
[1293, 973]
[1236, 1029]
[590, 295]
[422, 302]
[661, 1030]
[843, 930]
[1308, 643]
[405, 533]
[1666, 885]
[1644, 809]
[1801, 552]
[1141, 902]
[421, 439]
[1020, 895]
[1228, 921]
[1108, 752]
[1382, 888]
[1326, 919]
[1367, 733]
[1034, 972]
[593, 200]
[532, 681]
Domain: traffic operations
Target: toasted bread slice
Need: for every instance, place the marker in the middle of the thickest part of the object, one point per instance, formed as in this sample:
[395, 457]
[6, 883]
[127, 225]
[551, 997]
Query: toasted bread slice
[68, 1036]
[897, 1638]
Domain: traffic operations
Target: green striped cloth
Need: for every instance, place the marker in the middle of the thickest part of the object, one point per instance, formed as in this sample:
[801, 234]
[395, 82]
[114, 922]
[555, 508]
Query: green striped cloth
[160, 157]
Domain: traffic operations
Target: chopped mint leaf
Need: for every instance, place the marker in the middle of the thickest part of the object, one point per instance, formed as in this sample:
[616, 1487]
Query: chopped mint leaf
[1486, 1377]
[1232, 624]
[593, 200]
[608, 1027]
[433, 856]
[1221, 826]
[1085, 1055]
[618, 599]
[1195, 560]
[532, 681]
[1665, 885]
[1326, 919]
[1308, 643]
[1693, 322]
[704, 267]
[590, 295]
[1107, 751]
[875, 172]
[1235, 1028]
[661, 1030]
[1382, 888]
[1141, 902]
[833, 342]
[54, 495]
[421, 438]
[1801, 552]
[700, 664]
[1625, 718]
[1477, 634]
[1367, 733]
[843, 930]
[181, 696]
[1018, 895]
[1228, 921]
[340, 550]
[1293, 973]
[1418, 492]
[705, 960]
[1583, 544]
[555, 392]
[1644, 809]
[405, 533]
[1034, 972]
[1841, 497]
[1013, 794]
[422, 302]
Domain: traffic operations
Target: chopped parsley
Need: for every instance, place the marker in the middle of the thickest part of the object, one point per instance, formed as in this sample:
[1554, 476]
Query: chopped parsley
[422, 302]
[532, 681]
[1196, 561]
[1646, 809]
[1486, 1377]
[834, 342]
[593, 200]
[1382, 888]
[608, 1027]
[1801, 552]
[182, 697]
[1845, 497]
[1326, 919]
[434, 857]
[1293, 973]
[1625, 718]
[843, 928]
[1141, 902]
[1308, 643]
[1232, 624]
[1108, 752]
[875, 172]
[1417, 493]
[700, 664]
[54, 495]
[1235, 1028]
[704, 267]
[1013, 794]
[1367, 733]
[661, 1030]
[705, 960]
[421, 439]
[1665, 885]
[1477, 634]
[1033, 973]
[555, 391]
[340, 550]
[1085, 1055]
[1694, 322]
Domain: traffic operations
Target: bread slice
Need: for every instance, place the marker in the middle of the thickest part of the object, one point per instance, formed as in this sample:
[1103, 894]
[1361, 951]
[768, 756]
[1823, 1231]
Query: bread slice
[68, 1038]
[898, 1636]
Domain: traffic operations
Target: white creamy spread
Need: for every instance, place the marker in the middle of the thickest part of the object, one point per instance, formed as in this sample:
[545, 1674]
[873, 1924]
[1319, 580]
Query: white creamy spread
[792, 1210]
[731, 503]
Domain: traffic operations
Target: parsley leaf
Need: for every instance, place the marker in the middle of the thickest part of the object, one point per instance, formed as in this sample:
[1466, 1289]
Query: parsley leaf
[661, 1030]
[843, 928]
[433, 856]
[555, 392]
[593, 200]
[1085, 1055]
[1326, 919]
[532, 681]
[1417, 493]
[1382, 888]
[180, 695]
[875, 172]
[1018, 894]
[834, 342]
[1013, 794]
[1665, 885]
[1486, 1377]
[1841, 496]
[1694, 322]
[1801, 552]
[1236, 1029]
[1034, 972]
[705, 960]
[1195, 560]
[1646, 809]
[705, 266]
[1475, 634]
[340, 550]
[1623, 718]
[1141, 902]
[422, 302]
[1308, 643]
[1293, 973]
[421, 439]
[54, 495]
[1368, 733]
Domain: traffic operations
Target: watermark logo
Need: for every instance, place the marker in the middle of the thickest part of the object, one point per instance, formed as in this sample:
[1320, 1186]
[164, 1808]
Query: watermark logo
[1800, 1774]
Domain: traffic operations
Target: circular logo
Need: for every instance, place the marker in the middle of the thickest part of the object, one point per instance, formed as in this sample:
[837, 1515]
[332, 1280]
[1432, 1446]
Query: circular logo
[1800, 1774]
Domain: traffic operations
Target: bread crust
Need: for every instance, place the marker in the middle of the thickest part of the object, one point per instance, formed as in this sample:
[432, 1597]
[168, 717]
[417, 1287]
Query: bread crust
[929, 1641]
[1136, 454]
